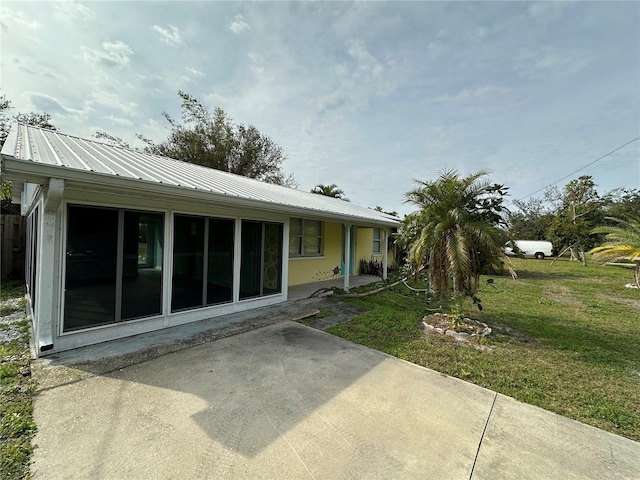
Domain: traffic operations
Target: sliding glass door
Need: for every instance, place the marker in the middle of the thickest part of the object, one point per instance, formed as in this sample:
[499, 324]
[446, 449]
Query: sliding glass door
[261, 261]
[113, 266]
[202, 262]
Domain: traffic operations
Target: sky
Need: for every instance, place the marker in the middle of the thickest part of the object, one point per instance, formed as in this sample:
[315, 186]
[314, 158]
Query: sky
[367, 95]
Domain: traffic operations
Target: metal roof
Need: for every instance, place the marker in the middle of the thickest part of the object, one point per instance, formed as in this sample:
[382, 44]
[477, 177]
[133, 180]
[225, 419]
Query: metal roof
[36, 151]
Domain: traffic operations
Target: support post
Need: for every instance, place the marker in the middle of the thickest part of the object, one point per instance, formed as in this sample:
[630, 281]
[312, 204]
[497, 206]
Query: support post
[385, 252]
[48, 259]
[347, 255]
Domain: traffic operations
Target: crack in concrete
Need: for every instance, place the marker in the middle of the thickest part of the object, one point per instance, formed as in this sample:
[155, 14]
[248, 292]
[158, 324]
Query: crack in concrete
[484, 430]
[288, 443]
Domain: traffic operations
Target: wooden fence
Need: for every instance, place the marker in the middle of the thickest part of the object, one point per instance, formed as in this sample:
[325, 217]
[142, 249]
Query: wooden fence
[12, 247]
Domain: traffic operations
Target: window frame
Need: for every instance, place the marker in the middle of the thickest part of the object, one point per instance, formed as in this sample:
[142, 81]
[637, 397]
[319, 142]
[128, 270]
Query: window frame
[377, 241]
[301, 236]
[120, 211]
[208, 232]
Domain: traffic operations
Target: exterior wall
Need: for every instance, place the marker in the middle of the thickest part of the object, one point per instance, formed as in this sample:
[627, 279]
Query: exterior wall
[364, 247]
[47, 312]
[314, 269]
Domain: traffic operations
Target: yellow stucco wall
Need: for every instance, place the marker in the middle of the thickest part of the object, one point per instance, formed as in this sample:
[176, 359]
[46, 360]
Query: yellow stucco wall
[315, 269]
[364, 248]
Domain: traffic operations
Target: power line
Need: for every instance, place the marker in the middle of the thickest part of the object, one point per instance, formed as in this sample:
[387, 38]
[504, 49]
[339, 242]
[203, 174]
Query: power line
[580, 169]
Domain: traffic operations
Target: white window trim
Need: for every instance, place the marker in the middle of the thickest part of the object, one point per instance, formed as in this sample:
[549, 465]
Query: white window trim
[377, 241]
[293, 255]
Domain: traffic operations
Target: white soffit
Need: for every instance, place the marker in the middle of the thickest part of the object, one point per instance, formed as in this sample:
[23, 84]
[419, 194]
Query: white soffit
[42, 147]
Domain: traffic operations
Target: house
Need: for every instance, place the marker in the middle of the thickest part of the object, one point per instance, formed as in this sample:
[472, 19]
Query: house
[121, 242]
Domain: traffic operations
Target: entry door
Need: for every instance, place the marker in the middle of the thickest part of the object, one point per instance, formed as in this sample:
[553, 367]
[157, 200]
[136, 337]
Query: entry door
[352, 250]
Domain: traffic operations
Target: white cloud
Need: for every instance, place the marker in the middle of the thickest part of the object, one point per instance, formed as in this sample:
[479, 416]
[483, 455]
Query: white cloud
[119, 120]
[238, 25]
[115, 55]
[546, 11]
[366, 63]
[113, 101]
[332, 101]
[149, 77]
[72, 12]
[256, 64]
[171, 38]
[550, 60]
[11, 17]
[196, 73]
[33, 67]
[192, 75]
[46, 103]
[485, 94]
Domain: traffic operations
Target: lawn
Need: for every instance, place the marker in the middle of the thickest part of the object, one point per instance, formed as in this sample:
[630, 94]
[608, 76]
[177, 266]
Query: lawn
[566, 338]
[17, 427]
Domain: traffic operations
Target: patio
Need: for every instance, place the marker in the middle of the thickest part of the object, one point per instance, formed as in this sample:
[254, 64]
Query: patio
[298, 292]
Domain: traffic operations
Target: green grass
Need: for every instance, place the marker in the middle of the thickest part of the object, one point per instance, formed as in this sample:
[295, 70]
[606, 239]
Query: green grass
[17, 426]
[10, 290]
[566, 338]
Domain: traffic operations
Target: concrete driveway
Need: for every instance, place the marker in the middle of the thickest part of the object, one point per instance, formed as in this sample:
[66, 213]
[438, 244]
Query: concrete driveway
[289, 402]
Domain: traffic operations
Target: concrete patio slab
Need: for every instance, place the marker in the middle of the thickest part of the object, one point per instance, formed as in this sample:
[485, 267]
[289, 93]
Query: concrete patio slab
[287, 401]
[523, 441]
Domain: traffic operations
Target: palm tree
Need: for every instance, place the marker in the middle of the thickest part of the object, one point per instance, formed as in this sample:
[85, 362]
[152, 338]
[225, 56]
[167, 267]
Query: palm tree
[621, 241]
[456, 231]
[329, 191]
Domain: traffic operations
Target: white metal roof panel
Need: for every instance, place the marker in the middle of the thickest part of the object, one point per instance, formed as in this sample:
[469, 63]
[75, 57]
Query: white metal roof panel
[66, 152]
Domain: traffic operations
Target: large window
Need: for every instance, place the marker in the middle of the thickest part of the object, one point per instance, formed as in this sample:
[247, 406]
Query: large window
[31, 256]
[142, 264]
[105, 279]
[261, 259]
[305, 238]
[202, 262]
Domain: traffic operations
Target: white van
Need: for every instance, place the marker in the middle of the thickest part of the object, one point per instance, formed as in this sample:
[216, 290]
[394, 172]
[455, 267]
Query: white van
[530, 248]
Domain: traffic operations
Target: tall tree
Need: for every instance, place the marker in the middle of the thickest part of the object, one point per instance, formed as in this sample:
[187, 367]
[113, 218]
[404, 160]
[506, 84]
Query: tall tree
[42, 120]
[531, 221]
[622, 241]
[621, 202]
[455, 230]
[214, 141]
[329, 191]
[393, 213]
[581, 211]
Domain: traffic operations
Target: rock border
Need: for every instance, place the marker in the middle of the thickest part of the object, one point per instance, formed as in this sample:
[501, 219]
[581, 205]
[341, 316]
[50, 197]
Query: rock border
[459, 336]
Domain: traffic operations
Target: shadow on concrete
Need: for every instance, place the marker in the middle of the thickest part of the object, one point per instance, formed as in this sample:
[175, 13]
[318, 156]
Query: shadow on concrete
[287, 401]
[264, 383]
[257, 385]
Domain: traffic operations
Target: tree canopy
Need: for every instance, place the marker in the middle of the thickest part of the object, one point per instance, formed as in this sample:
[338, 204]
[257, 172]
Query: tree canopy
[622, 241]
[211, 139]
[567, 216]
[329, 191]
[42, 120]
[32, 118]
[455, 233]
